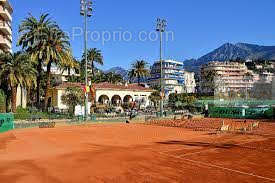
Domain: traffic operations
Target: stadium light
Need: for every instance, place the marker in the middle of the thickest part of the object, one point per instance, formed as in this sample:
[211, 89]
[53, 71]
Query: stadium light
[161, 25]
[86, 11]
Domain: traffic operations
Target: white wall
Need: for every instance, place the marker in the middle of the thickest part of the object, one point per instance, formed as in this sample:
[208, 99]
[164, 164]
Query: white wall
[60, 105]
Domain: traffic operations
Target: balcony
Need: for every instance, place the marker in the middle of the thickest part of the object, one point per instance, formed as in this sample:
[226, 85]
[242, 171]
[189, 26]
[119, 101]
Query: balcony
[5, 43]
[5, 27]
[5, 13]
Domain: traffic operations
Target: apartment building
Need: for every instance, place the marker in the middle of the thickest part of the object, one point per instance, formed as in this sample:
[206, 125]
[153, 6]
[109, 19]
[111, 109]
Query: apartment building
[173, 76]
[5, 26]
[61, 75]
[226, 76]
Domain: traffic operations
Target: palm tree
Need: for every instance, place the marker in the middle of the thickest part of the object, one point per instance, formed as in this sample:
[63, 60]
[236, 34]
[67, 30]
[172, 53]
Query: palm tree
[139, 70]
[68, 66]
[34, 34]
[155, 98]
[56, 50]
[93, 56]
[17, 71]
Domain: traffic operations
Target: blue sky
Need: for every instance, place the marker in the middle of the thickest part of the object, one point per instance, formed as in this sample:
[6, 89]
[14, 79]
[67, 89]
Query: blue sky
[199, 26]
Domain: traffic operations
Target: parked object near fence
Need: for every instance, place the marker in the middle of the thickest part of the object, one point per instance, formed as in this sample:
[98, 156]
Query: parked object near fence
[47, 125]
[6, 122]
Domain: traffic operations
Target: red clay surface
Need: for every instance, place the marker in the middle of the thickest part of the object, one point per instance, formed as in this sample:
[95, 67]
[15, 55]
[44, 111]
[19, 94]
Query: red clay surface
[135, 153]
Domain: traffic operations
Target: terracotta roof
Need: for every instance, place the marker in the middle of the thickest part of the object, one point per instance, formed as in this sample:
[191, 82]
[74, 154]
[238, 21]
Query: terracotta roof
[105, 85]
[68, 84]
[136, 87]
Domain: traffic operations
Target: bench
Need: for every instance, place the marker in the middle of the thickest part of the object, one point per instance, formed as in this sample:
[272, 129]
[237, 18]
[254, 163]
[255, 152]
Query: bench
[47, 125]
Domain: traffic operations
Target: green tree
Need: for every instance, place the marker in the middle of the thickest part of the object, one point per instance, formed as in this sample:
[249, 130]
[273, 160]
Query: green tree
[55, 50]
[17, 71]
[179, 100]
[2, 101]
[139, 70]
[113, 78]
[155, 98]
[98, 78]
[74, 96]
[209, 80]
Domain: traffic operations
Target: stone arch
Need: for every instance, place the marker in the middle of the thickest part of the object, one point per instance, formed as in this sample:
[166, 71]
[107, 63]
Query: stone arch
[116, 100]
[103, 99]
[128, 99]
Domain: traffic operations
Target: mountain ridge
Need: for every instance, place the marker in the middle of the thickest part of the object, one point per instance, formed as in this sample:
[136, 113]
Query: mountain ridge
[229, 51]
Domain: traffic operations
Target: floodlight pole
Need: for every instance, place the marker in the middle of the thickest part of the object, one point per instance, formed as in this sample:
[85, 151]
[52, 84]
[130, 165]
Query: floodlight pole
[86, 10]
[161, 25]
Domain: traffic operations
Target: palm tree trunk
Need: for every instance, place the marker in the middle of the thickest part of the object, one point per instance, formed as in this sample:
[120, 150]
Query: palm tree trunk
[13, 98]
[93, 69]
[38, 81]
[7, 103]
[138, 79]
[48, 84]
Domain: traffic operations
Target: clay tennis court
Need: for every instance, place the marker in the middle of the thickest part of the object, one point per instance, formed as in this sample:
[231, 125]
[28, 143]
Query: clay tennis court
[135, 153]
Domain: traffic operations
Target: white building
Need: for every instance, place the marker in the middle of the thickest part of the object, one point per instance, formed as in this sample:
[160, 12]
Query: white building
[107, 93]
[173, 76]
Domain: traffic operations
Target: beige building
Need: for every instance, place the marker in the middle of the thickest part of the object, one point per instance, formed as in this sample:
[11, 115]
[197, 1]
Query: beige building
[232, 76]
[5, 26]
[229, 76]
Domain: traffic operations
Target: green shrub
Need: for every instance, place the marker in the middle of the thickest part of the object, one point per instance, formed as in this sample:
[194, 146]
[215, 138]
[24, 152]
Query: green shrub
[25, 114]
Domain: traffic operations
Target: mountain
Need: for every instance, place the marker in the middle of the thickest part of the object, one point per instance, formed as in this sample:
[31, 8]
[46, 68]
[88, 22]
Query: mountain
[119, 70]
[230, 51]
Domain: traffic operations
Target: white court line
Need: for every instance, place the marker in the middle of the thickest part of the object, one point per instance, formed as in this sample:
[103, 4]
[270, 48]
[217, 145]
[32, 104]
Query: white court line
[229, 169]
[197, 163]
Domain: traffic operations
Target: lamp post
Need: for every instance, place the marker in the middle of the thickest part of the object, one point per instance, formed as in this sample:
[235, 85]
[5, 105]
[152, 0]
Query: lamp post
[86, 11]
[161, 25]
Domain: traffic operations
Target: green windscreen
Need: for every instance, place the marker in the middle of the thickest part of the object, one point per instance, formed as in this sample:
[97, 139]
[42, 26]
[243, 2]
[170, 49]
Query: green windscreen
[6, 122]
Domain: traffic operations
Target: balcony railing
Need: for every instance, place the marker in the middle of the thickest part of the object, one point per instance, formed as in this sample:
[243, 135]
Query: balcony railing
[5, 27]
[5, 42]
[5, 13]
